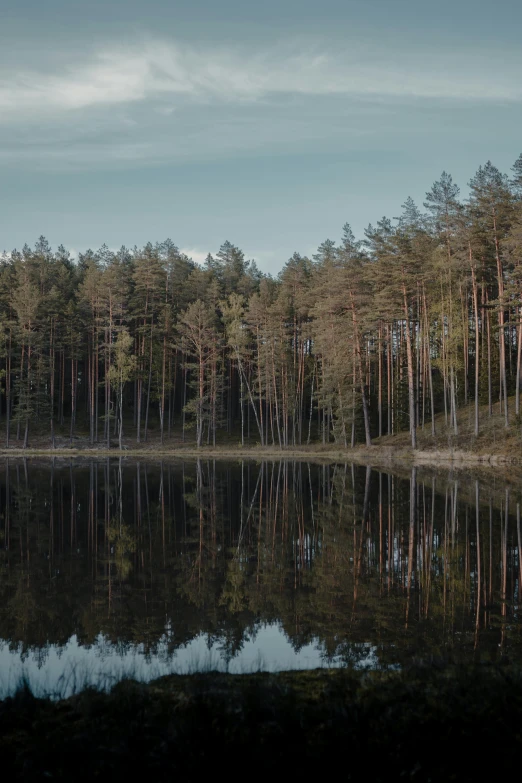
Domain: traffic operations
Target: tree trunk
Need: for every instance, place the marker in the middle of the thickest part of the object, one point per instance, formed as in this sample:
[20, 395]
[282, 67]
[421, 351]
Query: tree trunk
[502, 335]
[367, 433]
[8, 395]
[149, 382]
[96, 395]
[389, 379]
[429, 369]
[519, 356]
[379, 393]
[409, 357]
[162, 400]
[245, 380]
[477, 354]
[490, 395]
[120, 413]
[73, 401]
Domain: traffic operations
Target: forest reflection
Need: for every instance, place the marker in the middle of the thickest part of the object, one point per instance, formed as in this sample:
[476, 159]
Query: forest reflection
[341, 558]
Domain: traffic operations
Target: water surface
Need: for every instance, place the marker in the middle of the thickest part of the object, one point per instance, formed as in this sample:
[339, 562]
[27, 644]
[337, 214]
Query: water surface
[113, 568]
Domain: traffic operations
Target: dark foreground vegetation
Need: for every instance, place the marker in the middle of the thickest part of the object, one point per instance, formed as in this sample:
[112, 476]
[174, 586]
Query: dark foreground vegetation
[424, 724]
[365, 339]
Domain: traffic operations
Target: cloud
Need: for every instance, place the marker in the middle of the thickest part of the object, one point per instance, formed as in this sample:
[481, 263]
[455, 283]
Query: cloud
[169, 71]
[196, 254]
[156, 101]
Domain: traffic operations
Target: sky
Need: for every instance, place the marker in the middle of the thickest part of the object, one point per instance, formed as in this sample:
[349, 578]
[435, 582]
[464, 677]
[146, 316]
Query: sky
[266, 124]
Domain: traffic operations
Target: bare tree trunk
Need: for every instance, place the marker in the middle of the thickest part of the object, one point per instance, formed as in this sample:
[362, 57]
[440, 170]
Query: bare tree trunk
[62, 389]
[96, 395]
[91, 393]
[477, 344]
[502, 334]
[8, 395]
[51, 378]
[465, 347]
[183, 414]
[120, 413]
[26, 433]
[106, 424]
[20, 388]
[409, 357]
[389, 378]
[366, 416]
[201, 390]
[139, 394]
[453, 400]
[162, 400]
[429, 370]
[73, 401]
[311, 407]
[379, 393]
[519, 356]
[149, 382]
[490, 395]
[244, 379]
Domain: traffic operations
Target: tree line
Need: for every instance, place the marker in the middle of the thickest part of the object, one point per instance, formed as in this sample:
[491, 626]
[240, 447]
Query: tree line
[366, 338]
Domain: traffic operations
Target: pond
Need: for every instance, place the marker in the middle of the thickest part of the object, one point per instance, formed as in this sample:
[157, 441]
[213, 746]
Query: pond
[112, 568]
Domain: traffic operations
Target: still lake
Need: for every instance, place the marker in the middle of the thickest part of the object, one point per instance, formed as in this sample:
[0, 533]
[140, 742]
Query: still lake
[116, 567]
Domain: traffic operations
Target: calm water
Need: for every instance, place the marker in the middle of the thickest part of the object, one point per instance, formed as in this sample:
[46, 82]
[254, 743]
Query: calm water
[111, 568]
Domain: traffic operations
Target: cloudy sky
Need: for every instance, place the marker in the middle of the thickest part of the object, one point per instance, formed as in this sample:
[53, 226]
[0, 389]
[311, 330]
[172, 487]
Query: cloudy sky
[266, 123]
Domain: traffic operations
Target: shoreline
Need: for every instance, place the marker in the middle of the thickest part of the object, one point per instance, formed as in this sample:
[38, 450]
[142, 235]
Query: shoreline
[378, 455]
[179, 727]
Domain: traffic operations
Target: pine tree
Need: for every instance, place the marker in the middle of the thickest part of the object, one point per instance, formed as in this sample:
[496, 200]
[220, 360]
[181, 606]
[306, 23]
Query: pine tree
[121, 371]
[200, 343]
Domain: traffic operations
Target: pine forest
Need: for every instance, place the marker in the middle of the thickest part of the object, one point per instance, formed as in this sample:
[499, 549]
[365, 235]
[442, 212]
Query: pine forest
[396, 332]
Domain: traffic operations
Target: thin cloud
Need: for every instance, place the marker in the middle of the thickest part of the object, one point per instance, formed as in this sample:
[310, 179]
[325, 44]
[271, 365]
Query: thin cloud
[196, 254]
[166, 71]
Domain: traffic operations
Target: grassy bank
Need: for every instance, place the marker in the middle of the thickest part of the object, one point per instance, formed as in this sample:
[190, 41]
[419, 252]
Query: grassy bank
[496, 446]
[424, 724]
[379, 455]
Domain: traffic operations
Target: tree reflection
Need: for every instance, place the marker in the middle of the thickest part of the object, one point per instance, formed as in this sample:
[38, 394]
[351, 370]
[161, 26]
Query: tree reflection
[370, 566]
